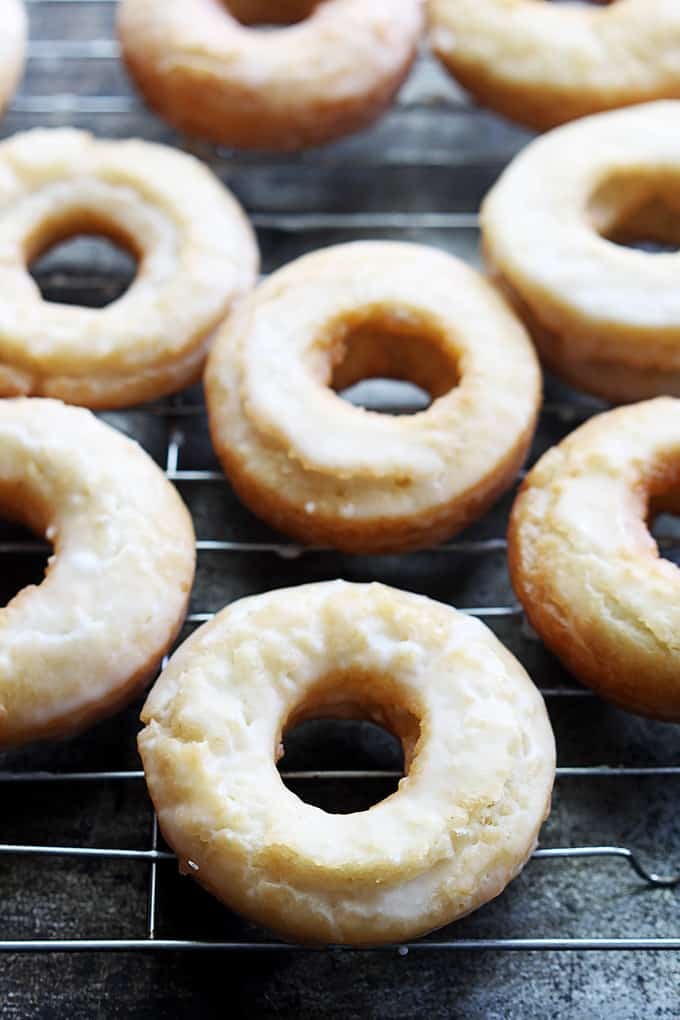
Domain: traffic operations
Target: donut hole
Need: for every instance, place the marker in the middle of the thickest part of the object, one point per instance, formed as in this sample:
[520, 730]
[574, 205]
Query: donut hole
[638, 210]
[270, 13]
[391, 361]
[82, 261]
[342, 745]
[664, 527]
[24, 560]
[23, 546]
[387, 396]
[662, 509]
[341, 727]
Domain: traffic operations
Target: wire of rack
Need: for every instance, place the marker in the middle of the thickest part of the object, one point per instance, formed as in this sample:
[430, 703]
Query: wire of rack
[179, 416]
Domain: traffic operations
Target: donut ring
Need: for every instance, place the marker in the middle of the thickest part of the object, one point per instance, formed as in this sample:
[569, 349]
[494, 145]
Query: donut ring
[13, 34]
[78, 646]
[605, 317]
[210, 75]
[325, 472]
[585, 566]
[543, 65]
[195, 260]
[478, 746]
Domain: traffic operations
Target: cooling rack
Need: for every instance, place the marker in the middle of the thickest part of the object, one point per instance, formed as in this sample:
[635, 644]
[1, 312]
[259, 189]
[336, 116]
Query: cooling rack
[420, 175]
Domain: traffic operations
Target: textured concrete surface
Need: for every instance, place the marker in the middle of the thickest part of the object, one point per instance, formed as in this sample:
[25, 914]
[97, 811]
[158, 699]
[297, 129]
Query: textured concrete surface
[430, 154]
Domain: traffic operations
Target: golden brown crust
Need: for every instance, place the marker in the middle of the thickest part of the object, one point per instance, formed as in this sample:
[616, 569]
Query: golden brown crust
[332, 474]
[196, 260]
[82, 643]
[610, 380]
[544, 65]
[463, 822]
[419, 530]
[332, 74]
[584, 565]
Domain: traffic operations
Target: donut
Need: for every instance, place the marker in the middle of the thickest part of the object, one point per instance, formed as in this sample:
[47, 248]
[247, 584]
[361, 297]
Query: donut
[543, 65]
[605, 317]
[328, 473]
[82, 643]
[478, 748]
[331, 68]
[585, 566]
[196, 254]
[13, 33]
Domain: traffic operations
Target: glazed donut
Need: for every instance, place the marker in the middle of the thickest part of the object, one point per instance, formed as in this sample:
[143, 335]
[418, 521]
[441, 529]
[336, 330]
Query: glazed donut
[585, 566]
[604, 316]
[13, 33]
[543, 65]
[326, 472]
[478, 747]
[196, 254]
[203, 67]
[81, 644]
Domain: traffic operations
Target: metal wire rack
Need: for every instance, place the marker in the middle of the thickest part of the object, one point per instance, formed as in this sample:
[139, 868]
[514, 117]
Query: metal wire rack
[182, 417]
